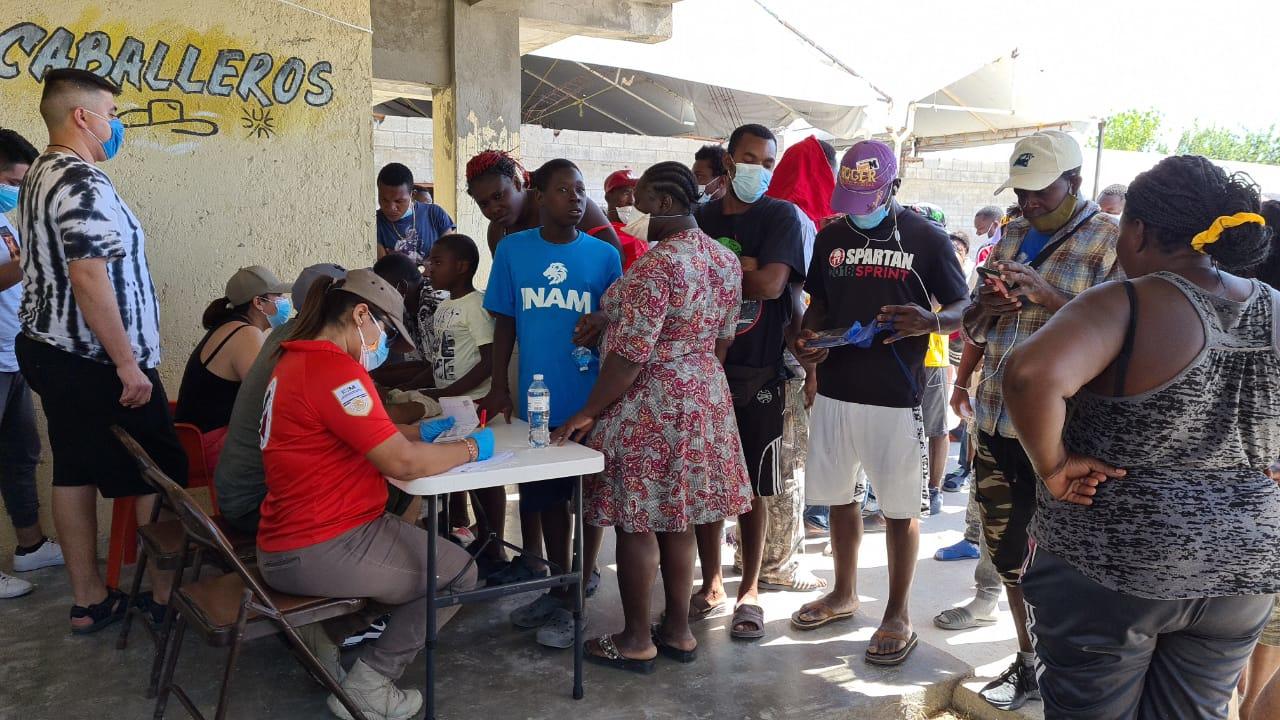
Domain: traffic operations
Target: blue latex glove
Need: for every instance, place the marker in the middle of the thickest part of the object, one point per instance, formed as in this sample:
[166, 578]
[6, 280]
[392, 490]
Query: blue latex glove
[484, 443]
[432, 429]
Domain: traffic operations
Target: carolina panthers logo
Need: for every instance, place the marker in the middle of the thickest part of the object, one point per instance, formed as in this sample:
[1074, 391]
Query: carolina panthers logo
[556, 273]
[764, 397]
[1024, 160]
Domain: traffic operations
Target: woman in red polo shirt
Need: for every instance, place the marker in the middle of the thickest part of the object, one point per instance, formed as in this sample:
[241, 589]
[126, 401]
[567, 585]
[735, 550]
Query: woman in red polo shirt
[327, 445]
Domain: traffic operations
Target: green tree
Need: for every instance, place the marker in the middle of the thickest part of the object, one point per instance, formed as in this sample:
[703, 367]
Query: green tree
[1257, 146]
[1136, 130]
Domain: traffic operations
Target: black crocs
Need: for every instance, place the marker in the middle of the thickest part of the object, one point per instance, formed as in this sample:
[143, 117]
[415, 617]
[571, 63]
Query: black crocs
[101, 614]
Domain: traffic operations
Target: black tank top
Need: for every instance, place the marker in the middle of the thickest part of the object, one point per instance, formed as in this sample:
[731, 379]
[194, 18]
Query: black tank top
[204, 399]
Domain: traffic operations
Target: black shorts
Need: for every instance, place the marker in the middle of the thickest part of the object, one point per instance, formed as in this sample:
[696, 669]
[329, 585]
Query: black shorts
[760, 423]
[544, 495]
[81, 400]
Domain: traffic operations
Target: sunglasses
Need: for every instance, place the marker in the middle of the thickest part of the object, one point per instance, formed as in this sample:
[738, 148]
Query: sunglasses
[387, 326]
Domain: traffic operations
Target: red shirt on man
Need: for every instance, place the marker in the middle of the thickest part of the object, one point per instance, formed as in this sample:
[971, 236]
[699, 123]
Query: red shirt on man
[321, 416]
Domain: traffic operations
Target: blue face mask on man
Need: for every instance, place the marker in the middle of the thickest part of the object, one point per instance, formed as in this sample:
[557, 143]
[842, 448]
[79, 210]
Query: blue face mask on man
[111, 145]
[872, 219]
[8, 198]
[750, 181]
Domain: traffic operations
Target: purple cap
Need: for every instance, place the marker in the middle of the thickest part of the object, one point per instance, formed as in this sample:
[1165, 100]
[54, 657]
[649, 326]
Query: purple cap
[866, 176]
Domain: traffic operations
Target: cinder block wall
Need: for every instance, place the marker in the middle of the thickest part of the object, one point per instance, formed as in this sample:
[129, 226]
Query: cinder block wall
[959, 187]
[409, 141]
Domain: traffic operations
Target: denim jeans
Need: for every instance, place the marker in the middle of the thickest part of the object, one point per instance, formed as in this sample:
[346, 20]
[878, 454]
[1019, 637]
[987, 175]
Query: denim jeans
[819, 515]
[19, 451]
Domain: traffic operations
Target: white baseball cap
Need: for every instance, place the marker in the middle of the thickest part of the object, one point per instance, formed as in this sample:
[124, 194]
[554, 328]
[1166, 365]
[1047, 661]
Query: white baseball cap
[1040, 159]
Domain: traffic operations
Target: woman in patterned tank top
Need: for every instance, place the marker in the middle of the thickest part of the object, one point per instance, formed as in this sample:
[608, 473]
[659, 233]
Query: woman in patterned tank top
[1151, 411]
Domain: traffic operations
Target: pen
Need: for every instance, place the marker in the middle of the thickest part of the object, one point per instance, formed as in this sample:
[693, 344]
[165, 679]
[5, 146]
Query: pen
[484, 418]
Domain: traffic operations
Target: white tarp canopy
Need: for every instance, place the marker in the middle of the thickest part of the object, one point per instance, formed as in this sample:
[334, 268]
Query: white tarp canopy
[879, 57]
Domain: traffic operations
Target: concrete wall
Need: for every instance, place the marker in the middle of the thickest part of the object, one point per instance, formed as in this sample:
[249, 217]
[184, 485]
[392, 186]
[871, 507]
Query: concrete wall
[959, 187]
[410, 141]
[271, 171]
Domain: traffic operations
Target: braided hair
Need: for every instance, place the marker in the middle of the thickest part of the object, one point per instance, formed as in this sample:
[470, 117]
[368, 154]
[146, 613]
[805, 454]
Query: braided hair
[675, 180]
[1183, 195]
[497, 162]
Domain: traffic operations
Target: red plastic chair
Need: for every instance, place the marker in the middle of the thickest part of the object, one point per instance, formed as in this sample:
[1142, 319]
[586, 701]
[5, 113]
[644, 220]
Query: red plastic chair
[123, 547]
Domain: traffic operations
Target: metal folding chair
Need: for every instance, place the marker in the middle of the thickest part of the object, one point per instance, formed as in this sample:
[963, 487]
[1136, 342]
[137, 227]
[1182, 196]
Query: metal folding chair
[230, 609]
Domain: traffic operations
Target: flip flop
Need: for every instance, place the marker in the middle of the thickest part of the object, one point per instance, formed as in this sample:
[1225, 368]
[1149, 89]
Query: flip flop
[747, 614]
[701, 612]
[610, 657]
[801, 581]
[671, 651]
[828, 617]
[960, 618]
[894, 658]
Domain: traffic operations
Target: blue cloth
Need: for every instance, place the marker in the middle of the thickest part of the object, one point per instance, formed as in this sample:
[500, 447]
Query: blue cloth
[1032, 244]
[416, 232]
[9, 300]
[546, 287]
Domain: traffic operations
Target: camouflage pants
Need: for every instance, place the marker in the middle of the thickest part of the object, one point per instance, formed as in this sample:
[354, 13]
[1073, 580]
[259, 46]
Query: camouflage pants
[785, 535]
[1006, 493]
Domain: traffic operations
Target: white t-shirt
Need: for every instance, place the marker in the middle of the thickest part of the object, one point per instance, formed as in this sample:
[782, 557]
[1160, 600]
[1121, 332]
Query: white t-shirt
[462, 327]
[69, 211]
[9, 299]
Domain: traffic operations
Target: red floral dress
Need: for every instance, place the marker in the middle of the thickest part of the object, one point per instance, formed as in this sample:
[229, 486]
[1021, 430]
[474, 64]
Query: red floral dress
[671, 447]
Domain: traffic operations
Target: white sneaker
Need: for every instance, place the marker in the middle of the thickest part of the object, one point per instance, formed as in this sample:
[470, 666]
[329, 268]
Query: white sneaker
[49, 555]
[12, 587]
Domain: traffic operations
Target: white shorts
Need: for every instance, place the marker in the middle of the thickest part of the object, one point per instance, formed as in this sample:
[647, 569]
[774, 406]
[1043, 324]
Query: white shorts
[887, 444]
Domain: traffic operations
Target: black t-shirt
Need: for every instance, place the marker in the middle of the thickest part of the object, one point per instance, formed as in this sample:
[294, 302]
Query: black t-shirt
[770, 232]
[856, 273]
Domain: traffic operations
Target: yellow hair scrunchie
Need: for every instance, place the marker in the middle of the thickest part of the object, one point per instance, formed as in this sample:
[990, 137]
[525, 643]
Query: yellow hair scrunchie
[1210, 236]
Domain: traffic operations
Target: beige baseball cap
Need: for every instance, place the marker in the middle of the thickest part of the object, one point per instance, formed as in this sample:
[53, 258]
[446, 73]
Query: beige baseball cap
[250, 282]
[367, 286]
[1040, 159]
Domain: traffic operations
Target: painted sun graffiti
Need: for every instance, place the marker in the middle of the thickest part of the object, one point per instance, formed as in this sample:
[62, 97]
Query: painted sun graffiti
[258, 122]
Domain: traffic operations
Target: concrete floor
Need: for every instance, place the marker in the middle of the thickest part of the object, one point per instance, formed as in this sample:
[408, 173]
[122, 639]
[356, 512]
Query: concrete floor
[488, 669]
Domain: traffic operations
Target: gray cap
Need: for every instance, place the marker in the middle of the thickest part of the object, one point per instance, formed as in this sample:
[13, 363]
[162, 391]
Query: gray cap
[250, 282]
[311, 274]
[366, 285]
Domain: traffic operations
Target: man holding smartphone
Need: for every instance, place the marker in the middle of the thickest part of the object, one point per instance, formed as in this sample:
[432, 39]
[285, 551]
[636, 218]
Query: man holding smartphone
[1062, 246]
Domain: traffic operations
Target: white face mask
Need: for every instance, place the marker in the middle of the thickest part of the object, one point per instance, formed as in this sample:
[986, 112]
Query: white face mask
[627, 214]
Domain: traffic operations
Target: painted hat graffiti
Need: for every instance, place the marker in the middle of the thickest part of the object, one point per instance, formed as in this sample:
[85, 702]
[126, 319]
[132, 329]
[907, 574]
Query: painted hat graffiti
[170, 113]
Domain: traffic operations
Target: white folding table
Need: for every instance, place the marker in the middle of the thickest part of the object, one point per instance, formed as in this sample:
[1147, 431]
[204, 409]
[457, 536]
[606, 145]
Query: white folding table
[527, 465]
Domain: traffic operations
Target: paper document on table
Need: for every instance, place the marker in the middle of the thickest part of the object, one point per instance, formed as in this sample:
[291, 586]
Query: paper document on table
[463, 412]
[497, 459]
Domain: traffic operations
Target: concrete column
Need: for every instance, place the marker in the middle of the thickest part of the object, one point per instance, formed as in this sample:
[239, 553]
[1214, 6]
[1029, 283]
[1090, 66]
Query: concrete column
[479, 110]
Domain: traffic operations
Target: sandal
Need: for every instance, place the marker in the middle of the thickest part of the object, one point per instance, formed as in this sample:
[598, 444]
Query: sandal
[960, 618]
[671, 651]
[747, 614]
[801, 581]
[893, 658]
[609, 656]
[101, 614]
[826, 616]
[700, 609]
[537, 613]
[153, 611]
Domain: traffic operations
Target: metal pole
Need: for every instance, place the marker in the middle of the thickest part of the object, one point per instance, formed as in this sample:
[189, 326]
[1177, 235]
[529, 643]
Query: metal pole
[1097, 164]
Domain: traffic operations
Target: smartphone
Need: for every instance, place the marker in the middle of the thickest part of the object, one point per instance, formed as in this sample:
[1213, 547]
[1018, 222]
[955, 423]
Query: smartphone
[993, 278]
[828, 339]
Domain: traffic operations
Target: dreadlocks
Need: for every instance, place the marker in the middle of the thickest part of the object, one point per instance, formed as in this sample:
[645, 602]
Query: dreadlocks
[496, 162]
[1183, 195]
[675, 180]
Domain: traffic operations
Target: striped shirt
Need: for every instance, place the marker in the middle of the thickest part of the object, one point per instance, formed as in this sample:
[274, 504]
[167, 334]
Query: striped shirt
[69, 211]
[1086, 259]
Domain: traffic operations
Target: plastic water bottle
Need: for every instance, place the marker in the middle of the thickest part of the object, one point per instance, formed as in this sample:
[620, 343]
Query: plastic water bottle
[582, 358]
[539, 405]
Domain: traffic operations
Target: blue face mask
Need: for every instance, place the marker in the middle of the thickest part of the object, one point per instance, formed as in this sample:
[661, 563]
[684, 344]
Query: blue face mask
[8, 198]
[877, 216]
[373, 358]
[750, 182]
[284, 308]
[112, 144]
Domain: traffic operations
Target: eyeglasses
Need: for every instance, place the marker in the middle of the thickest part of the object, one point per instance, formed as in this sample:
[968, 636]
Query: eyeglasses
[387, 326]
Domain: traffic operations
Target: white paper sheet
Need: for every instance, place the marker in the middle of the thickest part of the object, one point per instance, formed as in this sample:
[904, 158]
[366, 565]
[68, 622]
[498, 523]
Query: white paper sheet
[465, 421]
